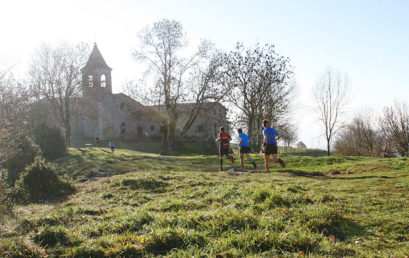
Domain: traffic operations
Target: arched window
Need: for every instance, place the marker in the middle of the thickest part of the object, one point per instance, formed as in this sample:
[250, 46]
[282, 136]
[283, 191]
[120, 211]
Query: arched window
[90, 81]
[103, 81]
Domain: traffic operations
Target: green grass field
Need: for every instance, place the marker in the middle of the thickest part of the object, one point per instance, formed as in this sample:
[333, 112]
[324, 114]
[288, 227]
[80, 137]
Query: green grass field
[133, 203]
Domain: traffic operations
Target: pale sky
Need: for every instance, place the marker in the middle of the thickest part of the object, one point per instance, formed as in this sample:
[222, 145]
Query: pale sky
[367, 39]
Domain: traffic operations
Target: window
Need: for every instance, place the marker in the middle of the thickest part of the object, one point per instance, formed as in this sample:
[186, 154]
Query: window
[90, 81]
[103, 81]
[152, 128]
[200, 128]
[139, 131]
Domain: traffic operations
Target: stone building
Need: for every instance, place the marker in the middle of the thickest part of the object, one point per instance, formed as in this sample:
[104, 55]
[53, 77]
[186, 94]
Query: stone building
[105, 114]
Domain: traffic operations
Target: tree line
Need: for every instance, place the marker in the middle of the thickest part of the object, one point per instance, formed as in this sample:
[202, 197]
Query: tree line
[386, 135]
[365, 135]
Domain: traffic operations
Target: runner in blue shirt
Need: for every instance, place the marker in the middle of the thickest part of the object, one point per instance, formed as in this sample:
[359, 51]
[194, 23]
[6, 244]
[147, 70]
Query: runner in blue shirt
[270, 145]
[244, 148]
[112, 145]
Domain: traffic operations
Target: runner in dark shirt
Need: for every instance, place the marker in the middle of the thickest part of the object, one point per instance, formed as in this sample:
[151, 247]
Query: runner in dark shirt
[224, 141]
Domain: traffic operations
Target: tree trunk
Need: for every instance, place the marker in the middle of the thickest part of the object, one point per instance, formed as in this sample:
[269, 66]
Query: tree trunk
[164, 148]
[328, 149]
[68, 134]
[172, 134]
[250, 132]
[259, 136]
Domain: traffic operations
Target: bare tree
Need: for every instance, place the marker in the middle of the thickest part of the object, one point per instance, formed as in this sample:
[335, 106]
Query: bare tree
[359, 137]
[10, 107]
[330, 99]
[202, 88]
[288, 134]
[395, 126]
[160, 46]
[56, 78]
[14, 100]
[15, 151]
[256, 83]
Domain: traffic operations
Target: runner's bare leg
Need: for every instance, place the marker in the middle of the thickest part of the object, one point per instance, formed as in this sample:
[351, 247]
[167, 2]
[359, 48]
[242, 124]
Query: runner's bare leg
[242, 161]
[248, 157]
[275, 158]
[266, 162]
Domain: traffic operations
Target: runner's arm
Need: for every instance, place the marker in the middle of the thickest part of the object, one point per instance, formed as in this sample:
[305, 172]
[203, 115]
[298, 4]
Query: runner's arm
[264, 143]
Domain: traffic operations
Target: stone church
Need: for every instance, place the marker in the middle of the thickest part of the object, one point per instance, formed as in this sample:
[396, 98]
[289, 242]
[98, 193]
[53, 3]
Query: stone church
[107, 115]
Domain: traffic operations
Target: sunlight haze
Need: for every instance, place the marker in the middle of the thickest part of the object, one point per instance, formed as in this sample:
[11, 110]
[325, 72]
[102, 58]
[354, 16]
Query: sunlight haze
[368, 40]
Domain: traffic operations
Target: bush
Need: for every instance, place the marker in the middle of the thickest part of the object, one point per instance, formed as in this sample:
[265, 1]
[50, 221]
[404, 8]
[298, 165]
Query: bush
[51, 236]
[40, 182]
[51, 141]
[6, 204]
[21, 152]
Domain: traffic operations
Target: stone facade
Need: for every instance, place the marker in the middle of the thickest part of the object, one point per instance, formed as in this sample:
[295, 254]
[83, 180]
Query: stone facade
[106, 115]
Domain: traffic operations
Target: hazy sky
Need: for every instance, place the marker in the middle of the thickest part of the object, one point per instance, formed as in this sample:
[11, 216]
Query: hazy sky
[367, 39]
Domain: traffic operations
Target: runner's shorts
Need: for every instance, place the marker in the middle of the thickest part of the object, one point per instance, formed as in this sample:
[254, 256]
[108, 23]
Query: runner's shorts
[271, 149]
[244, 149]
[224, 152]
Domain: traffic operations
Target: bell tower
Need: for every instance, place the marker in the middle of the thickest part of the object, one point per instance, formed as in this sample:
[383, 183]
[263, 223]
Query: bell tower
[96, 74]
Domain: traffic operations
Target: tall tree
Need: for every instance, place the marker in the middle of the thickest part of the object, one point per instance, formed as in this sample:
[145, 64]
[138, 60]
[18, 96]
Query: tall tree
[202, 89]
[257, 84]
[330, 99]
[161, 47]
[56, 78]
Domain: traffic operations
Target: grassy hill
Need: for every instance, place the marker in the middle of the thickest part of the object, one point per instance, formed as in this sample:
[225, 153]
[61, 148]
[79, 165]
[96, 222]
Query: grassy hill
[133, 203]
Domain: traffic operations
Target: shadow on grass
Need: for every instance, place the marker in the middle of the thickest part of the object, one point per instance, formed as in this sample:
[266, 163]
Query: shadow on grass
[361, 177]
[301, 173]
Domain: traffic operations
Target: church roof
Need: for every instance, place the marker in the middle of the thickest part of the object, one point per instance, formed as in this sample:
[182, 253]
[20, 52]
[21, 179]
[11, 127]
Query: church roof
[96, 60]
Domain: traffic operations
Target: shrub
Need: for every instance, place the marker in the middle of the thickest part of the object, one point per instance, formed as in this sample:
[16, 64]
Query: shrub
[21, 152]
[51, 141]
[6, 204]
[147, 183]
[301, 145]
[260, 195]
[51, 236]
[40, 182]
[162, 241]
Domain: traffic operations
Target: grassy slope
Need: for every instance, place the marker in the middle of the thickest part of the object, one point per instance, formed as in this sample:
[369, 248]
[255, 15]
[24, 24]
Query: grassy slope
[152, 205]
